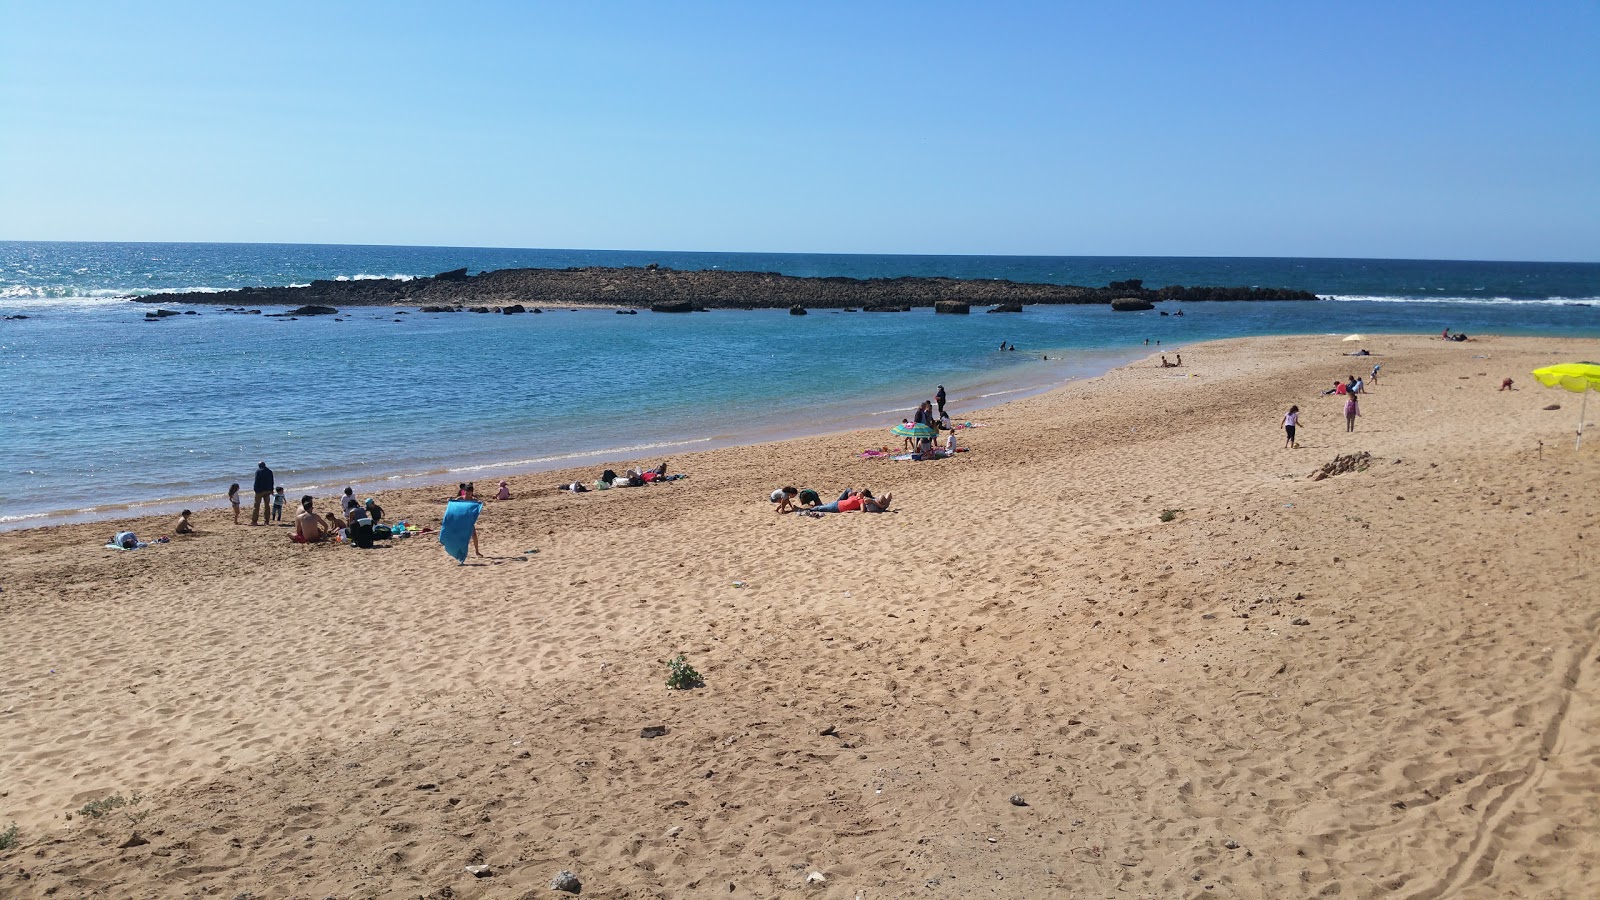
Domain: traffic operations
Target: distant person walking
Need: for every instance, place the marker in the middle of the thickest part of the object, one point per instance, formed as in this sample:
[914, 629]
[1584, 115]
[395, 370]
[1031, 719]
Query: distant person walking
[939, 399]
[1291, 421]
[262, 509]
[1352, 411]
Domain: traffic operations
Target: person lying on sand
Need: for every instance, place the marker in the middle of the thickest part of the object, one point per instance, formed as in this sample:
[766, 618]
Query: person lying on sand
[852, 500]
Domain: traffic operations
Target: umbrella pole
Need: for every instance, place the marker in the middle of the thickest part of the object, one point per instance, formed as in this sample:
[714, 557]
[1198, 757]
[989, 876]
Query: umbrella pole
[1583, 409]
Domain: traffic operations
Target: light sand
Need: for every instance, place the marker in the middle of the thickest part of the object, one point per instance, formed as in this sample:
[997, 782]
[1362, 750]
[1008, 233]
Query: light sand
[323, 722]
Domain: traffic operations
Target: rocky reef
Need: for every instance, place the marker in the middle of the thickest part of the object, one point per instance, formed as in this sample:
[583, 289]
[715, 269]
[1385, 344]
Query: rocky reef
[669, 290]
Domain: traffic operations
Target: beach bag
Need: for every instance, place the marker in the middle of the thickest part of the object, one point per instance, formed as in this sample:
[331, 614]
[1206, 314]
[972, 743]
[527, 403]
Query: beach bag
[361, 533]
[382, 533]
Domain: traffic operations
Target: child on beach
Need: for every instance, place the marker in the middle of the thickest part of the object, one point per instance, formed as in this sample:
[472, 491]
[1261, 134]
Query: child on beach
[183, 526]
[233, 498]
[277, 505]
[1291, 421]
[1352, 409]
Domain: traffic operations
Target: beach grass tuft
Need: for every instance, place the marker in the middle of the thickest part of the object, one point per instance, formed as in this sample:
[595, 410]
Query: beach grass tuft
[681, 676]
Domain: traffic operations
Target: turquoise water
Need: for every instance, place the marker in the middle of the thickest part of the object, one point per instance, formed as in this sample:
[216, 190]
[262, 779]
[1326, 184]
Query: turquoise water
[104, 414]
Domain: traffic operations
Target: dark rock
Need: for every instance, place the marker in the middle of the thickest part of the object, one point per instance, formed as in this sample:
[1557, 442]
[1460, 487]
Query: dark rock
[952, 308]
[134, 840]
[717, 289]
[886, 309]
[627, 312]
[190, 312]
[161, 314]
[674, 306]
[797, 310]
[1131, 304]
[1550, 407]
[1016, 800]
[1132, 284]
[536, 311]
[1007, 307]
[1300, 620]
[566, 881]
[441, 309]
[313, 310]
[513, 309]
[652, 731]
[479, 309]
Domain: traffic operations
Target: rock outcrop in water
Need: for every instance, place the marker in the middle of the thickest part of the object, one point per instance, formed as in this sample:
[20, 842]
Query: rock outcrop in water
[657, 288]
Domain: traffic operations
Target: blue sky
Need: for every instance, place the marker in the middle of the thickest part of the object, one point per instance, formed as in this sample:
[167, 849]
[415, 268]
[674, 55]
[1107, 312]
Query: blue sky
[1428, 130]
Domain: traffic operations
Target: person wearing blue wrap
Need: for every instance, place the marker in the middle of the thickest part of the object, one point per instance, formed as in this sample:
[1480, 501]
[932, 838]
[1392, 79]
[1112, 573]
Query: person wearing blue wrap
[460, 528]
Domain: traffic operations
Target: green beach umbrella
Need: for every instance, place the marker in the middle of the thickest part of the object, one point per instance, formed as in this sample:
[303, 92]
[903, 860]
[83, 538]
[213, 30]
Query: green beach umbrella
[918, 430]
[1579, 377]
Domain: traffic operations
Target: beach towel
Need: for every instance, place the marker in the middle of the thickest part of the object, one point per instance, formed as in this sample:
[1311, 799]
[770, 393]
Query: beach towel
[455, 532]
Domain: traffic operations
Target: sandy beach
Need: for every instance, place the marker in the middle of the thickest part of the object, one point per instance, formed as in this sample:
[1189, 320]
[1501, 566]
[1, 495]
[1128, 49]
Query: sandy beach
[1021, 682]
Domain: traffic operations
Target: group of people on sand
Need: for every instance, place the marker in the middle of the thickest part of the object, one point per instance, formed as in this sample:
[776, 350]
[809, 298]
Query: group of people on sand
[637, 477]
[1351, 389]
[791, 499]
[1171, 365]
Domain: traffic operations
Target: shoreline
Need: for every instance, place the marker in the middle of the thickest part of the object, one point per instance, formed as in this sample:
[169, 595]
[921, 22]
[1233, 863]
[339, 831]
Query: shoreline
[1129, 607]
[142, 512]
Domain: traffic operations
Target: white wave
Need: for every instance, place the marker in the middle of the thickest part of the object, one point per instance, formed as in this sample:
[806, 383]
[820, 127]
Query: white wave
[581, 454]
[363, 276]
[1464, 301]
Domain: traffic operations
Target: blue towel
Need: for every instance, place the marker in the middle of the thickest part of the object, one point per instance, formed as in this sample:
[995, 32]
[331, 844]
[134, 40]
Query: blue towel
[455, 532]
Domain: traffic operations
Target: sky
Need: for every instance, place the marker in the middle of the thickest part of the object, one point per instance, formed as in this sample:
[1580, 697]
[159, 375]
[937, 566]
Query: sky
[1457, 130]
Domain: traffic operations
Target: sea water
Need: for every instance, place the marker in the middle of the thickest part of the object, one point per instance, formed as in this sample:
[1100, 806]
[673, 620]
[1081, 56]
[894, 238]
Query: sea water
[104, 414]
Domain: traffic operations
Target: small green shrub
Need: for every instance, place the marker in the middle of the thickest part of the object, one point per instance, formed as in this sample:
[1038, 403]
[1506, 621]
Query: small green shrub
[681, 676]
[96, 809]
[1167, 515]
[10, 837]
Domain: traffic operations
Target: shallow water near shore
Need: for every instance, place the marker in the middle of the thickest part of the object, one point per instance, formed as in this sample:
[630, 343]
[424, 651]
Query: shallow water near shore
[108, 415]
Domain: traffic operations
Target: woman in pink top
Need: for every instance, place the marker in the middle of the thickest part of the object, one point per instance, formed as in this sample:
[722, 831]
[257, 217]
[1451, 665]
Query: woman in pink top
[1352, 409]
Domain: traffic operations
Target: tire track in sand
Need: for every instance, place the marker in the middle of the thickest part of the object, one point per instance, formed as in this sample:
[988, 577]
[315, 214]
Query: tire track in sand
[1481, 854]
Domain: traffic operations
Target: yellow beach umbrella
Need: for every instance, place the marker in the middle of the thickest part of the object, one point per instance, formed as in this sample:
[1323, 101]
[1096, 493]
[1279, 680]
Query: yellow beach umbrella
[1579, 377]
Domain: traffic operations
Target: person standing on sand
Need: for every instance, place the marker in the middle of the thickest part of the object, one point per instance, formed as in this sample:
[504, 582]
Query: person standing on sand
[1291, 421]
[939, 399]
[263, 487]
[233, 500]
[1352, 410]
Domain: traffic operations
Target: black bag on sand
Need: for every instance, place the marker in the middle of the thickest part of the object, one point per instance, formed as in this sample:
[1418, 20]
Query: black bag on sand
[361, 533]
[382, 533]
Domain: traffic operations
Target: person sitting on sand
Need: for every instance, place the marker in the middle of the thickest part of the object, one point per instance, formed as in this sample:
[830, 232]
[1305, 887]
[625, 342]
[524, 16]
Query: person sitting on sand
[504, 493]
[1506, 385]
[1335, 389]
[1180, 360]
[1164, 363]
[336, 525]
[183, 526]
[308, 527]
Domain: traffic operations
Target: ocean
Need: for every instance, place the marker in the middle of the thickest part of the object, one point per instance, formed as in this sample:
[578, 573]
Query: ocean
[105, 415]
